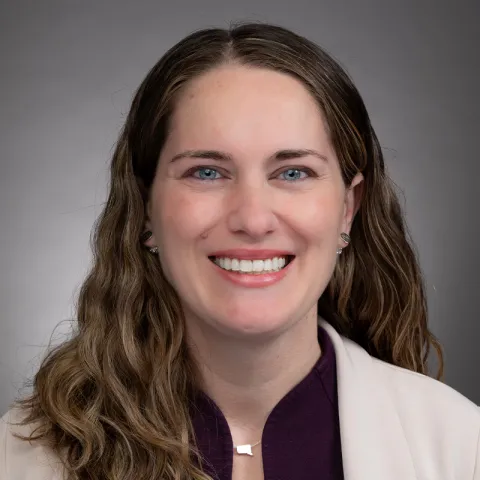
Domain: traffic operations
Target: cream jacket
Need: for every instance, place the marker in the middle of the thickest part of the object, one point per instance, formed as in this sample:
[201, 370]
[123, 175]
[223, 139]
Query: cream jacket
[395, 425]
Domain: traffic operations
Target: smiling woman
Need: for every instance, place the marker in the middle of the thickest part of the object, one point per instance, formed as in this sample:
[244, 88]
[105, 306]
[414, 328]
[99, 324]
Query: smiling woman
[255, 310]
[248, 202]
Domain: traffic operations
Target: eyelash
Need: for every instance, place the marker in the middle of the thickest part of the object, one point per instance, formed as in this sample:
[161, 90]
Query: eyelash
[193, 170]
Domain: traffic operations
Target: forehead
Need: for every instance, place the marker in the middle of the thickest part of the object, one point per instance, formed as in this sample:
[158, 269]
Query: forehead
[241, 106]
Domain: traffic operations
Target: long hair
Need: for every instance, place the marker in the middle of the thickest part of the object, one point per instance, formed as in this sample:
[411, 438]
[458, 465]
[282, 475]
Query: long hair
[114, 400]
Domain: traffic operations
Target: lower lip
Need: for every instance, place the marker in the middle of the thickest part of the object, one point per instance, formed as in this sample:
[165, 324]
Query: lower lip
[253, 280]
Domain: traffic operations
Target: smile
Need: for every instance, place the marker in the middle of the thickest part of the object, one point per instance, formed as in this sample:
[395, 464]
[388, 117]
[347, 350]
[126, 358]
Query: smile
[255, 273]
[254, 266]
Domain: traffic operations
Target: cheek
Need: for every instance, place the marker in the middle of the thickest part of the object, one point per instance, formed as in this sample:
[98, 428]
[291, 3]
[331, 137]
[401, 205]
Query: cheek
[182, 217]
[319, 218]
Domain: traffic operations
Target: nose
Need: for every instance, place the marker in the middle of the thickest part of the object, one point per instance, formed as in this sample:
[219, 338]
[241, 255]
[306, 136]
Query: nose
[250, 211]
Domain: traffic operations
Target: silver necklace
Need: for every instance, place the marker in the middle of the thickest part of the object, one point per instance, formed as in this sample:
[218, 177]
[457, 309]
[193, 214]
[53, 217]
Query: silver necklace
[246, 449]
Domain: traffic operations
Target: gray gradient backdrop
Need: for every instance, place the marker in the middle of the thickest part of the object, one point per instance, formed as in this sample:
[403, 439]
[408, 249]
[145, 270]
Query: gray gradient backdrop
[69, 69]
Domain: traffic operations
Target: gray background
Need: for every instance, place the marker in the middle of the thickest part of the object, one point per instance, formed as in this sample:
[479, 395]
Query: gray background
[69, 69]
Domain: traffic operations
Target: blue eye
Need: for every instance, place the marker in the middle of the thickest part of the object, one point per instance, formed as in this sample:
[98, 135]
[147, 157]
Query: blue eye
[290, 175]
[296, 174]
[204, 173]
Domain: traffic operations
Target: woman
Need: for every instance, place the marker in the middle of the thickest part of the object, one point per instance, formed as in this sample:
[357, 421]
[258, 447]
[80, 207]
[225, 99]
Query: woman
[255, 309]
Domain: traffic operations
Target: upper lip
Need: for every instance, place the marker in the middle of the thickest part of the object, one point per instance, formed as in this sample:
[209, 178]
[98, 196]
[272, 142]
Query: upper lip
[248, 254]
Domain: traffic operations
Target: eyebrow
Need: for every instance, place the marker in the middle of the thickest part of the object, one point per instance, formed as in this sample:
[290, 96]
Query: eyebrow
[280, 155]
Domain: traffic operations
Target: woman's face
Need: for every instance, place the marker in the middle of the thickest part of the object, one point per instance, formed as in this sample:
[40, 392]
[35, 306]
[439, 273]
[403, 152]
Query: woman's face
[248, 173]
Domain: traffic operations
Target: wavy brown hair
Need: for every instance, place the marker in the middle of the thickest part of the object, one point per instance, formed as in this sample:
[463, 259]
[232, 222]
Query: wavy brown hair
[114, 400]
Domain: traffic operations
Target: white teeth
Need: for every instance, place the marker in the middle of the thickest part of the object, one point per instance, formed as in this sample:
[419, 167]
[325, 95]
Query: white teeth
[251, 266]
[258, 265]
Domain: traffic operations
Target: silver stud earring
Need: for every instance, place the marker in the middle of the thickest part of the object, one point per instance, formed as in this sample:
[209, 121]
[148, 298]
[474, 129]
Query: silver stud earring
[339, 251]
[153, 250]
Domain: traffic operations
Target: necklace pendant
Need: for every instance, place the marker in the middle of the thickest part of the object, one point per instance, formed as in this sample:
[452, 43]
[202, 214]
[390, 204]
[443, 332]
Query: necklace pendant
[244, 450]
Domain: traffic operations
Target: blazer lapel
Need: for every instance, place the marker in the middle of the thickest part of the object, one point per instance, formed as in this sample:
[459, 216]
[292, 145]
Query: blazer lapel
[374, 446]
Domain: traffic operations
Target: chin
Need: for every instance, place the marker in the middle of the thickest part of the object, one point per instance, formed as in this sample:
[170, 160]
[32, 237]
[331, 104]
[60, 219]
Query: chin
[248, 324]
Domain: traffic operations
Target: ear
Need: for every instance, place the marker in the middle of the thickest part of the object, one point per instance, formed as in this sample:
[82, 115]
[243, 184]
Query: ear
[148, 241]
[353, 199]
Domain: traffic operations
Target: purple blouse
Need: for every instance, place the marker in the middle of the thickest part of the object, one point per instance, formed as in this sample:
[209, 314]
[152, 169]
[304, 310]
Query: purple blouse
[301, 438]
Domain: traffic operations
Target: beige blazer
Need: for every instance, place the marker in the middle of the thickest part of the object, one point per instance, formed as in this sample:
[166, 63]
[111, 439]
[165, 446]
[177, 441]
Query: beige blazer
[395, 425]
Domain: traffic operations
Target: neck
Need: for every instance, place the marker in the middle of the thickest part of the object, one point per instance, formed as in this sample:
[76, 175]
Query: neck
[247, 377]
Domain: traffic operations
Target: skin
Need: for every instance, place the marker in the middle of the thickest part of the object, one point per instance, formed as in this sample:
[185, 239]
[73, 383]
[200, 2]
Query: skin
[252, 344]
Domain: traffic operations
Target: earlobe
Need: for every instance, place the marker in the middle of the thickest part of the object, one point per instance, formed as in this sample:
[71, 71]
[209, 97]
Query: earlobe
[145, 236]
[147, 240]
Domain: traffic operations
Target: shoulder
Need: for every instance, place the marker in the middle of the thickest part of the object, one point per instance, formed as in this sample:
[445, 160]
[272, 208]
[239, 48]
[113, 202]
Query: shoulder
[438, 426]
[409, 390]
[413, 391]
[438, 422]
[416, 395]
[23, 459]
